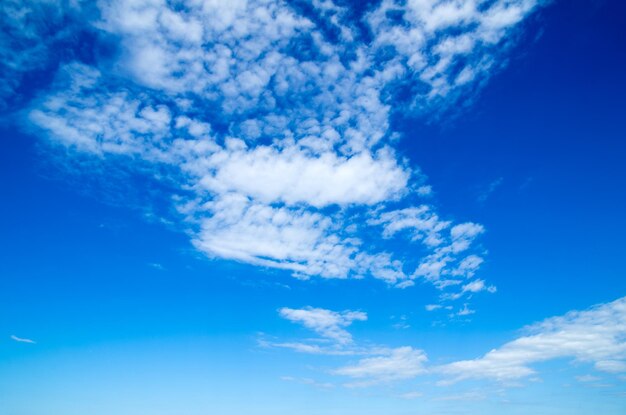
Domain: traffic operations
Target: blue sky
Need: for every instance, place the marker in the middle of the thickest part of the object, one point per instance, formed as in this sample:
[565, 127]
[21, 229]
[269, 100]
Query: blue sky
[312, 207]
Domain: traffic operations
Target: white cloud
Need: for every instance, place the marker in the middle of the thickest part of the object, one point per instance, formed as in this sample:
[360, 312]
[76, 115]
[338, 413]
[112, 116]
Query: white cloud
[425, 190]
[465, 311]
[307, 243]
[612, 366]
[292, 176]
[326, 323]
[449, 265]
[395, 364]
[22, 340]
[421, 222]
[472, 287]
[381, 365]
[596, 336]
[442, 59]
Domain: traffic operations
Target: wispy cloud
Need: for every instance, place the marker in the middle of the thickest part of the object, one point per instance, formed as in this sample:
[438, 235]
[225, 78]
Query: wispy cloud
[22, 340]
[31, 30]
[466, 396]
[308, 381]
[588, 378]
[311, 348]
[492, 187]
[596, 336]
[393, 365]
[156, 266]
[410, 395]
[328, 324]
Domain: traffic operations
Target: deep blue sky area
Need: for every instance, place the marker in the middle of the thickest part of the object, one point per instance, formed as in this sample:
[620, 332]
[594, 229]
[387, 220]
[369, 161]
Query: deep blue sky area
[551, 126]
[128, 317]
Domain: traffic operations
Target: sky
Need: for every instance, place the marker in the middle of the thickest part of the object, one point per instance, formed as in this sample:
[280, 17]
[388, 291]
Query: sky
[312, 207]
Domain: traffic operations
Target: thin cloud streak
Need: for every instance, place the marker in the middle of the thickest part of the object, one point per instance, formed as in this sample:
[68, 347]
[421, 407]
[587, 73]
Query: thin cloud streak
[22, 340]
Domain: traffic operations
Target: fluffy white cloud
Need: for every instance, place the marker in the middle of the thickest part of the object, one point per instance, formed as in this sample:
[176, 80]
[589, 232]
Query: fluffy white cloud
[596, 336]
[292, 176]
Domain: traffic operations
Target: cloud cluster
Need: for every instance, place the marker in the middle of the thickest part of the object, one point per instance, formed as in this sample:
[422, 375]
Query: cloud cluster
[272, 122]
[596, 337]
[439, 40]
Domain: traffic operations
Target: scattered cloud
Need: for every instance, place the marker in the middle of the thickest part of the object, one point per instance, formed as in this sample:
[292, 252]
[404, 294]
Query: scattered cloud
[274, 138]
[596, 337]
[421, 223]
[449, 265]
[31, 30]
[402, 323]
